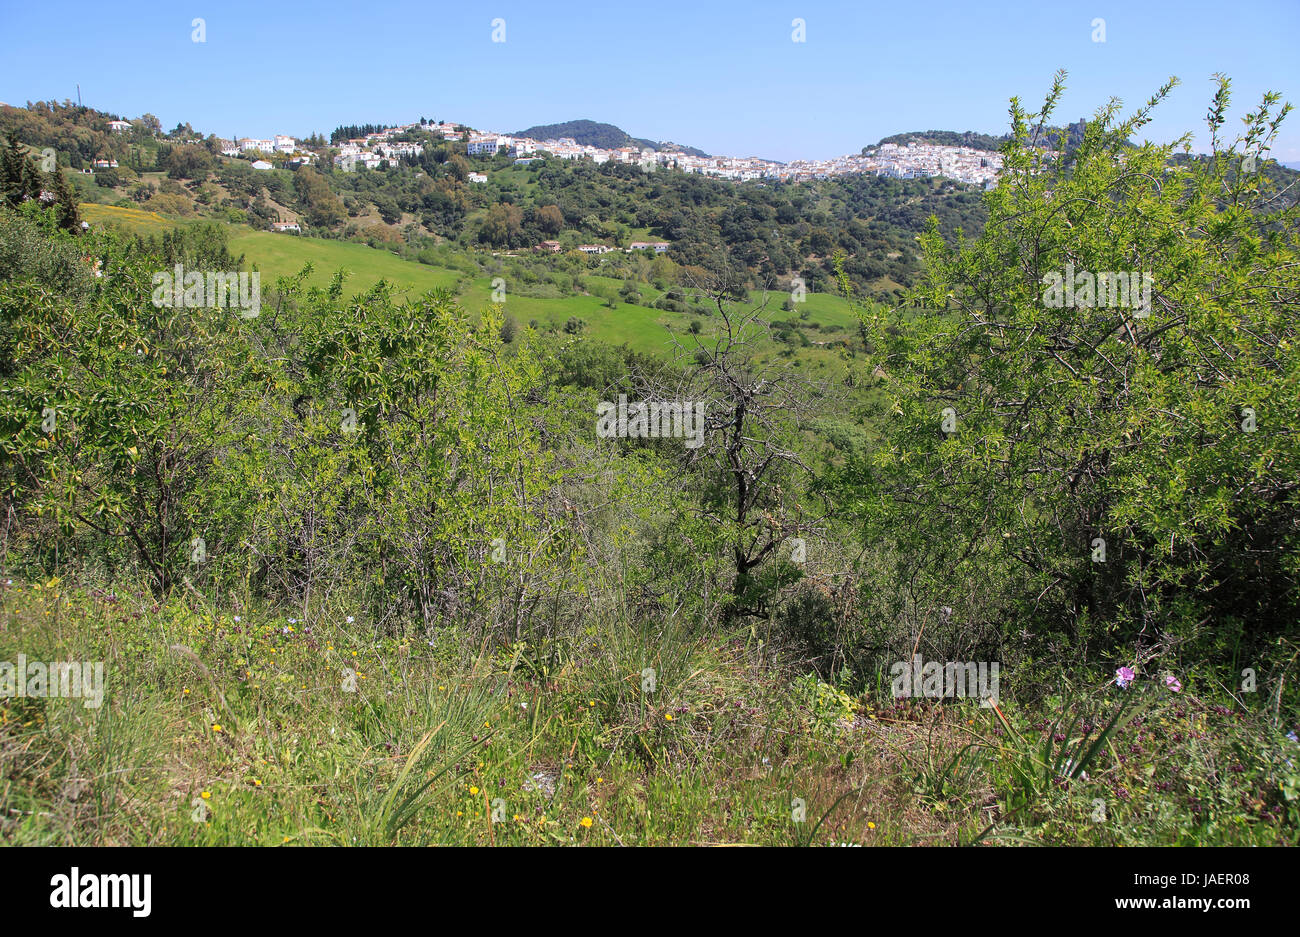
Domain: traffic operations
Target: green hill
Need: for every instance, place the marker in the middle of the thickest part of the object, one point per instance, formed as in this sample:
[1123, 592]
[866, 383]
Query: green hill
[605, 136]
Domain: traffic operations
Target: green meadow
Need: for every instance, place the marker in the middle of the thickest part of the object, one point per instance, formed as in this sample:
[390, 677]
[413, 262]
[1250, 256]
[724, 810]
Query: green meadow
[279, 255]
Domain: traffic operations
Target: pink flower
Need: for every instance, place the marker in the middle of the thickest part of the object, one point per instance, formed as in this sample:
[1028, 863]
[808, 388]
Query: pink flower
[1172, 682]
[1124, 676]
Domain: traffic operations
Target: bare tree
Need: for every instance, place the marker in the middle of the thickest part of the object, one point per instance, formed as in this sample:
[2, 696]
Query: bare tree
[755, 476]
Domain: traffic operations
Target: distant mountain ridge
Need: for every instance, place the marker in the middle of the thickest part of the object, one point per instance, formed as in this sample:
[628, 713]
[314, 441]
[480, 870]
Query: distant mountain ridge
[604, 136]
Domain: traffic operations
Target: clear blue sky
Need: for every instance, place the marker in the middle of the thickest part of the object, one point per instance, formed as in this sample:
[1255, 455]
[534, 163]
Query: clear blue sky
[725, 77]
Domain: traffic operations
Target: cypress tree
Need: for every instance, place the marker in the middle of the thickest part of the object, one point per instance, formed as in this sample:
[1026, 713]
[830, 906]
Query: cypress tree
[12, 184]
[65, 204]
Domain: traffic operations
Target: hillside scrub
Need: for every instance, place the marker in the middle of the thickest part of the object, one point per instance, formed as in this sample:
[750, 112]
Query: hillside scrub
[360, 568]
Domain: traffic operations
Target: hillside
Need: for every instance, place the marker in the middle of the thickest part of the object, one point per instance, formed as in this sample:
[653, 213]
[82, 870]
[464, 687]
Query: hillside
[817, 337]
[766, 234]
[978, 141]
[469, 522]
[606, 136]
[969, 138]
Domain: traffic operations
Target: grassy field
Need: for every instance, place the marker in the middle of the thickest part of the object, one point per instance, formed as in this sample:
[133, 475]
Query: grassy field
[136, 220]
[285, 254]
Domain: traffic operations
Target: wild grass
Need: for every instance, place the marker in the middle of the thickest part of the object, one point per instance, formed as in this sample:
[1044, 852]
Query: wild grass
[223, 724]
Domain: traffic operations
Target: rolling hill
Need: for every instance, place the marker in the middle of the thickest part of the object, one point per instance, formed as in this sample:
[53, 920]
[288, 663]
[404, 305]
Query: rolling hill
[605, 136]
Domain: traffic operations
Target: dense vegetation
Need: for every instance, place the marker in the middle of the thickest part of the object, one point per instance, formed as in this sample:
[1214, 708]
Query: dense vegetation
[976, 141]
[364, 568]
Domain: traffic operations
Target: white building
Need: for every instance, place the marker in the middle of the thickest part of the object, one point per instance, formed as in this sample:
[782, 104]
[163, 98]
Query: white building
[486, 146]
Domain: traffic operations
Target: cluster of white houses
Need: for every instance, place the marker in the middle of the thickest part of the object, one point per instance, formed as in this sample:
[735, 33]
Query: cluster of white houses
[910, 161]
[657, 246]
[280, 143]
[913, 160]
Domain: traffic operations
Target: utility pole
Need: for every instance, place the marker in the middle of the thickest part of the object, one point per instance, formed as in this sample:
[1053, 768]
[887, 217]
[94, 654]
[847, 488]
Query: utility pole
[78, 94]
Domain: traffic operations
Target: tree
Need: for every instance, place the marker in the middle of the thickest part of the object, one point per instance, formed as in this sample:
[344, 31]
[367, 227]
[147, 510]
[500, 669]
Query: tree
[1114, 461]
[754, 477]
[503, 226]
[549, 219]
[605, 292]
[187, 162]
[139, 413]
[322, 207]
[65, 203]
[629, 293]
[388, 209]
[18, 178]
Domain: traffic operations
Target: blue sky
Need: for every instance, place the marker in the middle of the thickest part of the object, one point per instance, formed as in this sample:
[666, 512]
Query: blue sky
[725, 77]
